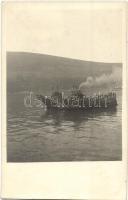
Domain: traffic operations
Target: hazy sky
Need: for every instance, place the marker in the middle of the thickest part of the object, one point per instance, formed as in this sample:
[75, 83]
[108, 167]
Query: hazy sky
[82, 31]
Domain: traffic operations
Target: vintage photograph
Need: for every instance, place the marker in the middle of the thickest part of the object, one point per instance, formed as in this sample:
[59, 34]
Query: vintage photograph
[64, 83]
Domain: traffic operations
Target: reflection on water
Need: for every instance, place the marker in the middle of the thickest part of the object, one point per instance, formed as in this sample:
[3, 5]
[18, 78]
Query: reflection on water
[77, 118]
[37, 135]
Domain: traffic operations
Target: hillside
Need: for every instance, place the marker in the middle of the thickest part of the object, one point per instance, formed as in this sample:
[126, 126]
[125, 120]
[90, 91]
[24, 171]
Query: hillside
[30, 71]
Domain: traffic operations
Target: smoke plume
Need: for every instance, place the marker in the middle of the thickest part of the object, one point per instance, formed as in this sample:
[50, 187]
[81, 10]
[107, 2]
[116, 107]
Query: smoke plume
[103, 83]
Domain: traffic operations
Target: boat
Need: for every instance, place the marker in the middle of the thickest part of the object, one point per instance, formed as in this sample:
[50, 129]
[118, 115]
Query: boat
[78, 101]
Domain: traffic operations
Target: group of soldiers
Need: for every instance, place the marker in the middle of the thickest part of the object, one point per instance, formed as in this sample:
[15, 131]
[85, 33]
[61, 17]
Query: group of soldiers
[96, 100]
[78, 100]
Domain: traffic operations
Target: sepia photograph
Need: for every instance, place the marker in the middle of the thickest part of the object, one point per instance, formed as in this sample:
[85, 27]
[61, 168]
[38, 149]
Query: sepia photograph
[64, 83]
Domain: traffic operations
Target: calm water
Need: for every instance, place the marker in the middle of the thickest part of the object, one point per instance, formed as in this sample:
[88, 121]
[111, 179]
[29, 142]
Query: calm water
[37, 135]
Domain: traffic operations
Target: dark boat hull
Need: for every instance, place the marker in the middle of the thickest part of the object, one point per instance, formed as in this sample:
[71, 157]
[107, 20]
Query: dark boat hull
[83, 109]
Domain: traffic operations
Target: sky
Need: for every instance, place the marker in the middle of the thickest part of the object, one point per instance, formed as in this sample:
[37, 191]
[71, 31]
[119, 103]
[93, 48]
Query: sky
[81, 31]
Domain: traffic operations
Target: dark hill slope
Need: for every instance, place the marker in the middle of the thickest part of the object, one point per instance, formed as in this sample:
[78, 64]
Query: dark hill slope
[33, 71]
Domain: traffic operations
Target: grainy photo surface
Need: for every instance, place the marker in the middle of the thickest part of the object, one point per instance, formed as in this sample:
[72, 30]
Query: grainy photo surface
[64, 83]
